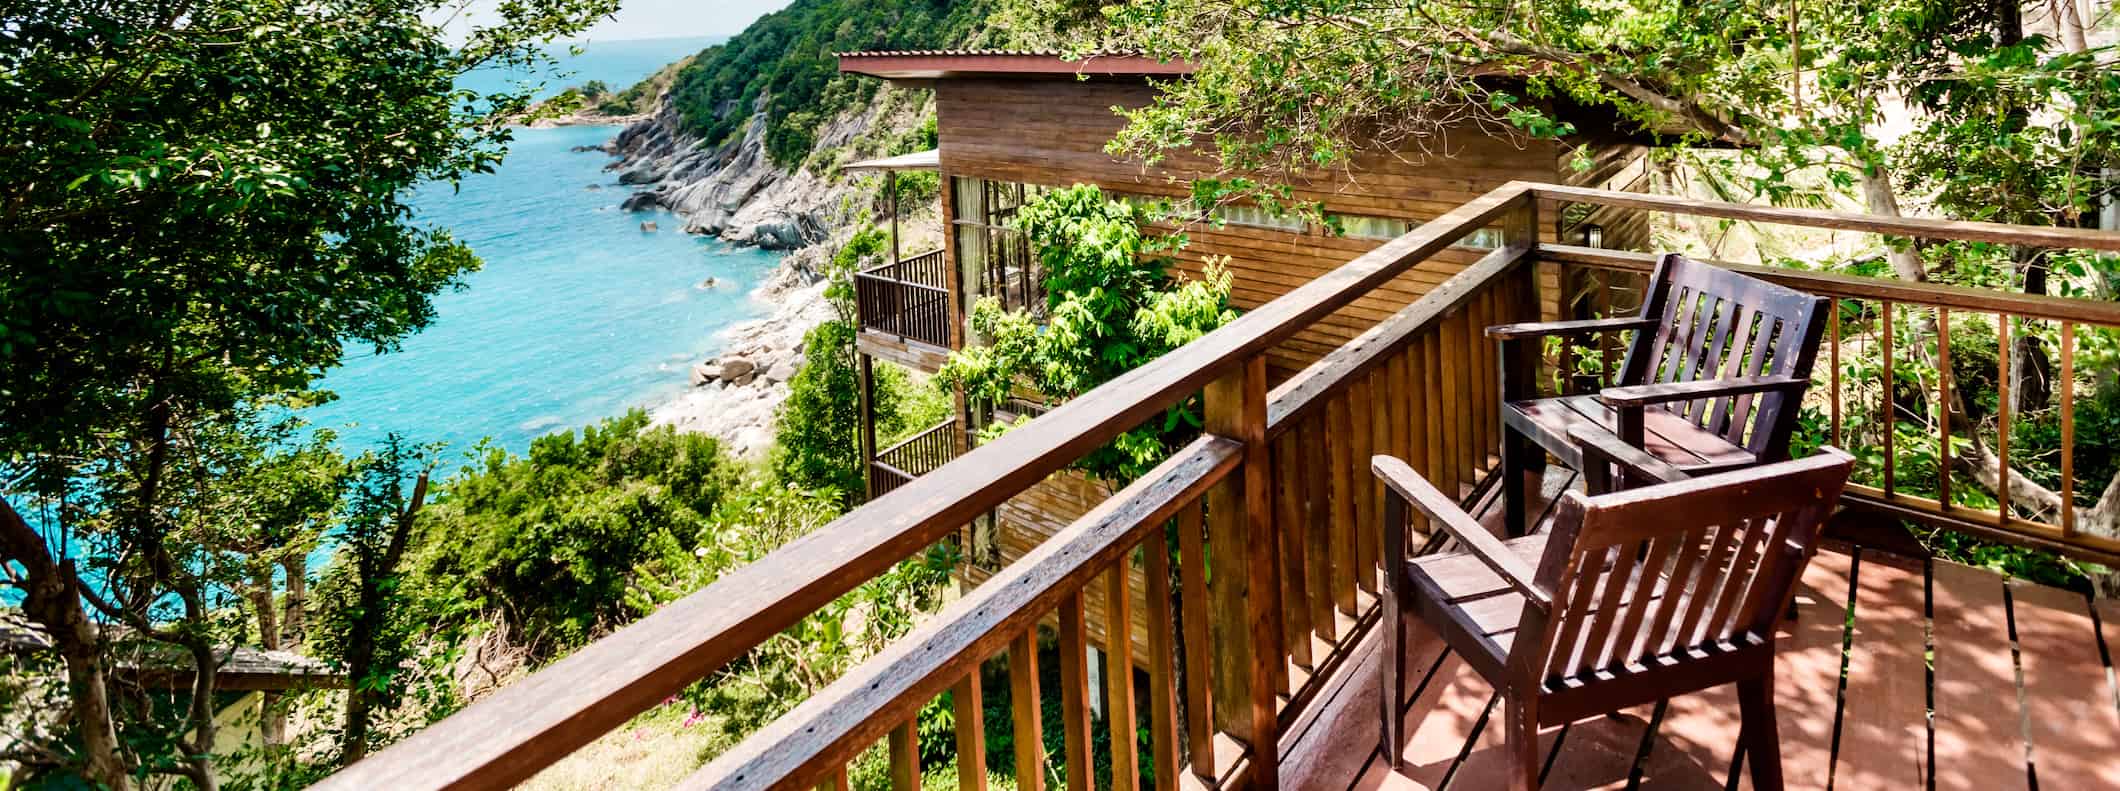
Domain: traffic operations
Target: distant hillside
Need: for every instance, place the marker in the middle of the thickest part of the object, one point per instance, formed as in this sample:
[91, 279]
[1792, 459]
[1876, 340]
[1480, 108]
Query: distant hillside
[787, 58]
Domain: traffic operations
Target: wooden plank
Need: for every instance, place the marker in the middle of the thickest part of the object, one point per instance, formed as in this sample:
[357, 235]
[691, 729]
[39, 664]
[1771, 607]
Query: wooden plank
[1193, 602]
[1289, 529]
[1600, 752]
[1029, 735]
[2068, 428]
[1916, 227]
[1162, 668]
[1341, 467]
[1883, 732]
[1119, 676]
[1979, 740]
[1807, 673]
[1363, 421]
[1236, 409]
[1074, 693]
[1316, 527]
[2073, 723]
[905, 756]
[970, 709]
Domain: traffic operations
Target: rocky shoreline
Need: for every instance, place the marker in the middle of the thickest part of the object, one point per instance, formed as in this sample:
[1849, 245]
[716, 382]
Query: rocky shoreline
[736, 394]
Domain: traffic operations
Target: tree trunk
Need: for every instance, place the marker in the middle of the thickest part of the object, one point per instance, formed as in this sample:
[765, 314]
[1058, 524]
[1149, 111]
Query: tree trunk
[52, 602]
[361, 642]
[296, 600]
[1880, 197]
[2031, 371]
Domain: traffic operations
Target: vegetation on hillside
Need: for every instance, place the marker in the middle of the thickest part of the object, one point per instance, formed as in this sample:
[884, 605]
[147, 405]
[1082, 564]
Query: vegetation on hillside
[1112, 305]
[205, 205]
[784, 66]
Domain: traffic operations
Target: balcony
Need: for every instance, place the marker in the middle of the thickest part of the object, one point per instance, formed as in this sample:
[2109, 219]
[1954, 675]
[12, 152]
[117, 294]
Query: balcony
[1260, 544]
[907, 299]
[913, 457]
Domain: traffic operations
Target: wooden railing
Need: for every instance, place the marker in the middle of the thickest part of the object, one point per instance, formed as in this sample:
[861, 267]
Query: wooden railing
[1260, 543]
[1886, 390]
[913, 457]
[908, 298]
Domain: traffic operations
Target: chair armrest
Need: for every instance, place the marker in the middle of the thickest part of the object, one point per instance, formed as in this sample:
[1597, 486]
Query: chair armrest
[1404, 483]
[1536, 329]
[1604, 446]
[1645, 395]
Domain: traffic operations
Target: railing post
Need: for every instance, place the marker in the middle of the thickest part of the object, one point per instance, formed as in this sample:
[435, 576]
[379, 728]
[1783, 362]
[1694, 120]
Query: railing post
[865, 392]
[1247, 615]
[1520, 358]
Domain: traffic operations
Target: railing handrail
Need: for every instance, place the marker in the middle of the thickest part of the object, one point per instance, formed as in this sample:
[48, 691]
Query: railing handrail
[877, 272]
[2053, 237]
[859, 707]
[944, 425]
[2042, 307]
[502, 740]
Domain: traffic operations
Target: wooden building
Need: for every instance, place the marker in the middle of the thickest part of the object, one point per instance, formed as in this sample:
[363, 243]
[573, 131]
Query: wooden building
[1013, 123]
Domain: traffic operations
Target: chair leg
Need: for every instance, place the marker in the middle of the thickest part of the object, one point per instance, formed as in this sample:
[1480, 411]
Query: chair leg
[1520, 740]
[1762, 744]
[1391, 677]
[1515, 462]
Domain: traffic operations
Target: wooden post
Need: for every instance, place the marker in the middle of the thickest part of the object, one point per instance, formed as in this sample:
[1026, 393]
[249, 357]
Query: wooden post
[1519, 365]
[890, 189]
[865, 393]
[971, 732]
[1247, 610]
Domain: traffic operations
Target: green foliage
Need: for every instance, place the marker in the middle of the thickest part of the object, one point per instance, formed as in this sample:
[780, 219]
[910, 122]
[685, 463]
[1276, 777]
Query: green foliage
[548, 542]
[784, 66]
[1112, 307]
[817, 432]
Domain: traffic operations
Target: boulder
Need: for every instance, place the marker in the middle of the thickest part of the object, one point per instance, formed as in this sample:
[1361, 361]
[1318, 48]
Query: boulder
[647, 225]
[781, 371]
[746, 378]
[704, 372]
[736, 369]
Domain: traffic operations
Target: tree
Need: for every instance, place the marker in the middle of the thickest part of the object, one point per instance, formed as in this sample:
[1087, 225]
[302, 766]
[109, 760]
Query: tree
[2007, 123]
[816, 434]
[204, 205]
[370, 620]
[1112, 306]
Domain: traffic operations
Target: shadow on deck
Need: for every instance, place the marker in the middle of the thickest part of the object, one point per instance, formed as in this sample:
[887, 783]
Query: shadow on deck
[2019, 695]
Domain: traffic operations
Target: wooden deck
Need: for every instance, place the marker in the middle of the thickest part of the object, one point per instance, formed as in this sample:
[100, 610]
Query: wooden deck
[2020, 695]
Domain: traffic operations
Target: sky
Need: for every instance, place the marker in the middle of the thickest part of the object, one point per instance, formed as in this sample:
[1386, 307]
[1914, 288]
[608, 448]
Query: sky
[674, 18]
[638, 19]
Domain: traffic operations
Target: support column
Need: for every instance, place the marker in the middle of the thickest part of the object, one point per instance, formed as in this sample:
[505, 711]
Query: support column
[1248, 656]
[865, 393]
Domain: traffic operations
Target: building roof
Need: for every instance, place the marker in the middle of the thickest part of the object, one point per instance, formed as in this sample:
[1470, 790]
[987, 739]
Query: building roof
[930, 159]
[933, 64]
[168, 667]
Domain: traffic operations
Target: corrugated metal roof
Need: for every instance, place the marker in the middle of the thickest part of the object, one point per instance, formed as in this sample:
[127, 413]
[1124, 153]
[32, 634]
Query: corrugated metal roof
[930, 159]
[928, 64]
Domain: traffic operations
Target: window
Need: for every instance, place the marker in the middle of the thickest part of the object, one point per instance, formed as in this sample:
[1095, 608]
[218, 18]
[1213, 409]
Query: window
[1255, 217]
[1385, 228]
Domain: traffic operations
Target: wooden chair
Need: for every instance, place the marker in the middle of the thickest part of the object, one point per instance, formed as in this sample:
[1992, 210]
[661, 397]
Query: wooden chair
[1632, 597]
[1712, 380]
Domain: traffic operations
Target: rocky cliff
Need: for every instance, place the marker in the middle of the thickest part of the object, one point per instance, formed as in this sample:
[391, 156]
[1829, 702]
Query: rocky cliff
[732, 190]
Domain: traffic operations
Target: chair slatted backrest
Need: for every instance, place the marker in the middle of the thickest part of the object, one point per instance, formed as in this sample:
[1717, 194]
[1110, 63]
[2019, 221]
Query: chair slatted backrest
[1655, 572]
[1713, 323]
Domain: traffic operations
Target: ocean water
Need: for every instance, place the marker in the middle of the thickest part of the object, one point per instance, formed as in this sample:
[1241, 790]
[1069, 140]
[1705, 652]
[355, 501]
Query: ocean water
[577, 315]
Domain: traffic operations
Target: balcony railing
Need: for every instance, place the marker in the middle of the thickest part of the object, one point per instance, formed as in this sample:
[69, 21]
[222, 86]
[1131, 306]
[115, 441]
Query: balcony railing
[908, 298]
[1276, 527]
[913, 457]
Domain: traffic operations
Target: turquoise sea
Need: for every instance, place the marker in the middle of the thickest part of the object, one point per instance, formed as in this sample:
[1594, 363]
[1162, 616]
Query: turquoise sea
[578, 313]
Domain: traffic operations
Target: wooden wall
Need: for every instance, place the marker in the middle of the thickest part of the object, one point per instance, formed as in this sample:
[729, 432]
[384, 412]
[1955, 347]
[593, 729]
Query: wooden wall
[1053, 132]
